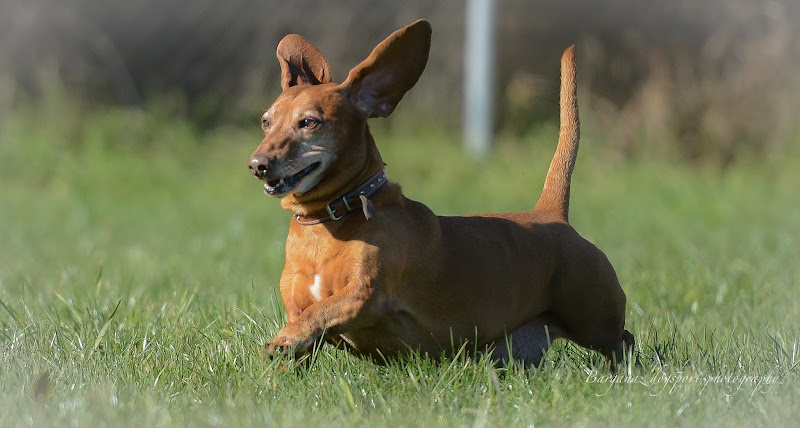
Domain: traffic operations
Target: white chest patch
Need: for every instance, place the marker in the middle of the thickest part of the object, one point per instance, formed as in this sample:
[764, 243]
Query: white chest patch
[316, 287]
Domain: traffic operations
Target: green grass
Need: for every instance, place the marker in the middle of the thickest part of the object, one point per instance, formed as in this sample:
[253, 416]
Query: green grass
[139, 266]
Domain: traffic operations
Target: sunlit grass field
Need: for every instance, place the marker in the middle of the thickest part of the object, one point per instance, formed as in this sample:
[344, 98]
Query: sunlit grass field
[139, 264]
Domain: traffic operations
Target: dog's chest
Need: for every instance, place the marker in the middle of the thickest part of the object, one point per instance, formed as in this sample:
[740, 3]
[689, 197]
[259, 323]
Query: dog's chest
[318, 270]
[316, 287]
[311, 284]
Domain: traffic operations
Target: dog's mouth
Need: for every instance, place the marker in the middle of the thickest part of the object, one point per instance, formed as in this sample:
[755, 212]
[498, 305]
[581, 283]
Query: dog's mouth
[286, 184]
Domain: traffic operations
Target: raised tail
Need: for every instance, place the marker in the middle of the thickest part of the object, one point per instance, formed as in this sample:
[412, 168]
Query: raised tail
[555, 195]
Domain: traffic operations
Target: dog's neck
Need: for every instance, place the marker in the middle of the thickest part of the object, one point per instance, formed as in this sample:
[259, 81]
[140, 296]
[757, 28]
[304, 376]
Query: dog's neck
[315, 202]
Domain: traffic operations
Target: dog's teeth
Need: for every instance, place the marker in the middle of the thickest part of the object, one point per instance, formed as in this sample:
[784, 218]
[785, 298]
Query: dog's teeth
[280, 183]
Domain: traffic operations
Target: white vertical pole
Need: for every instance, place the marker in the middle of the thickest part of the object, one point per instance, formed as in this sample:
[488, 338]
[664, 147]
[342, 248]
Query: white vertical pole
[478, 77]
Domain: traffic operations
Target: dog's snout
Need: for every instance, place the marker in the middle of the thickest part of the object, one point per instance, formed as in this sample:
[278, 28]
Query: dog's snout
[260, 165]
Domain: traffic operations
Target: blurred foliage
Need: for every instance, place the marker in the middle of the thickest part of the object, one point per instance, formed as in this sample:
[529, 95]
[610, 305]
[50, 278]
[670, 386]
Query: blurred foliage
[703, 81]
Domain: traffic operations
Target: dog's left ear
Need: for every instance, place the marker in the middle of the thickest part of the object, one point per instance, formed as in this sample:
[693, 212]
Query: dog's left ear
[377, 84]
[301, 62]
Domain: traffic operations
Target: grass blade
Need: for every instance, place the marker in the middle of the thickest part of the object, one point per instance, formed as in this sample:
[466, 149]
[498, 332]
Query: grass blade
[348, 393]
[11, 312]
[103, 330]
[75, 316]
[98, 283]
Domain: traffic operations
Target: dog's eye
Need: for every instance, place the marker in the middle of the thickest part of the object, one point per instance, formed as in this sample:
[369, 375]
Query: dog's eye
[309, 123]
[264, 123]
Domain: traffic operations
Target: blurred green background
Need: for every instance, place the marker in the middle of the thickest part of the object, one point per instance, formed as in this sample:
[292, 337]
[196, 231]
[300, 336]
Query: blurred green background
[705, 80]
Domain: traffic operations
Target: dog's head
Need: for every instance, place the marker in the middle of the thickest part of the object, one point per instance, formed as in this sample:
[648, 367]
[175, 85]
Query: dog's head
[315, 134]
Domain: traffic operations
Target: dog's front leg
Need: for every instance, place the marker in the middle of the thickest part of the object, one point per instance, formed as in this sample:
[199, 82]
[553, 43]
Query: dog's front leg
[351, 308]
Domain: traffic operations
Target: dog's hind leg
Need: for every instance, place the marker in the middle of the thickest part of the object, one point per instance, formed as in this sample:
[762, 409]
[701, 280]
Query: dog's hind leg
[528, 343]
[620, 353]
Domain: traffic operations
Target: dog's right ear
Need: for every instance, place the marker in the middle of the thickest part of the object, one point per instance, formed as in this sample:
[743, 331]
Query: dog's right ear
[377, 84]
[301, 63]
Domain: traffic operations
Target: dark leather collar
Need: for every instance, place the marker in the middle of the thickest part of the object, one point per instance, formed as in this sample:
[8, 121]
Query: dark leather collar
[349, 202]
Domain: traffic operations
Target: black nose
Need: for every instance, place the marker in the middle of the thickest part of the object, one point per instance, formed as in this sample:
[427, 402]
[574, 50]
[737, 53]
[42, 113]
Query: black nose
[260, 165]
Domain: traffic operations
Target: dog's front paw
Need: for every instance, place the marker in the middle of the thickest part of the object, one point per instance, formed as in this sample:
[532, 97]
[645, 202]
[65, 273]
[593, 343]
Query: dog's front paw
[287, 343]
[279, 345]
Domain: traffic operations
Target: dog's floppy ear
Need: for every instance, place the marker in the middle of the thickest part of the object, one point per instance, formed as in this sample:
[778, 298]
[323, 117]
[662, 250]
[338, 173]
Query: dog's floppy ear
[301, 63]
[377, 84]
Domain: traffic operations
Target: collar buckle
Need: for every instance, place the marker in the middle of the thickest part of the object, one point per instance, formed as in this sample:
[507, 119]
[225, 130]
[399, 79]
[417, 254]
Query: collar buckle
[332, 212]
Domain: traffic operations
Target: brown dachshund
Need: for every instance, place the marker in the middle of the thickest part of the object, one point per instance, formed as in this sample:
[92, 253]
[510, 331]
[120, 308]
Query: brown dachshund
[382, 274]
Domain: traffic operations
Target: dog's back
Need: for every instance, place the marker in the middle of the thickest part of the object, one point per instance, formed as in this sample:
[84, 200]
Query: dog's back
[497, 272]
